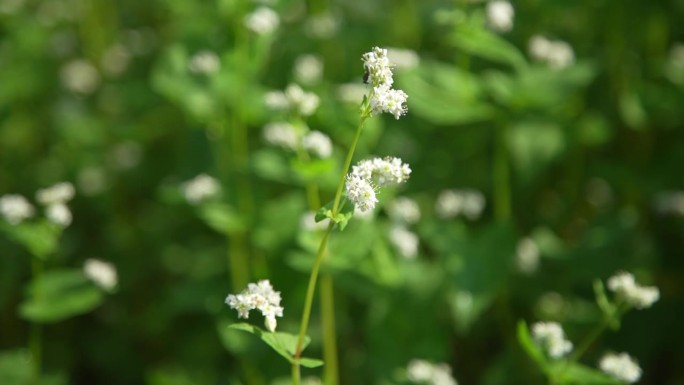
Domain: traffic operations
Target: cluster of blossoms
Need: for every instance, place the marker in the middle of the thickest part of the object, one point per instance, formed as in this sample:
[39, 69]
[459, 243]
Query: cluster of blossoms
[404, 211]
[500, 15]
[262, 21]
[453, 203]
[258, 296]
[626, 288]
[103, 274]
[200, 188]
[621, 366]
[285, 135]
[424, 372]
[383, 97]
[308, 69]
[15, 208]
[382, 171]
[670, 203]
[558, 54]
[293, 99]
[204, 62]
[550, 336]
[527, 255]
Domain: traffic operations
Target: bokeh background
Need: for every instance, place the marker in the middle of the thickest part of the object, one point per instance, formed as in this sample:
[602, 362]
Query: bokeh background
[577, 155]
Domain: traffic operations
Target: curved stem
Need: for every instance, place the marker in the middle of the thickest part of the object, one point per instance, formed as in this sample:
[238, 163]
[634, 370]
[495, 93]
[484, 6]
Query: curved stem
[36, 330]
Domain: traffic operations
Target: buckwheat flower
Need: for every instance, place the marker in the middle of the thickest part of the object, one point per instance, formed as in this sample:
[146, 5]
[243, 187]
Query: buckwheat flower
[200, 188]
[385, 171]
[262, 21]
[403, 58]
[317, 143]
[453, 203]
[621, 366]
[405, 241]
[305, 103]
[281, 134]
[204, 62]
[558, 54]
[15, 208]
[322, 26]
[670, 203]
[59, 213]
[80, 76]
[103, 274]
[308, 69]
[385, 99]
[276, 101]
[59, 193]
[404, 210]
[527, 256]
[260, 296]
[625, 287]
[378, 67]
[550, 336]
[500, 15]
[424, 372]
[361, 193]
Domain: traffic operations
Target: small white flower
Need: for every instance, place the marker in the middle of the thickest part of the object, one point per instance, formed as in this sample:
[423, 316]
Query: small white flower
[204, 62]
[101, 273]
[405, 241]
[276, 101]
[305, 103]
[281, 134]
[403, 58]
[262, 21]
[378, 67]
[385, 99]
[59, 193]
[386, 171]
[558, 54]
[500, 15]
[550, 336]
[625, 286]
[322, 26]
[424, 372]
[527, 256]
[259, 296]
[308, 69]
[452, 203]
[59, 213]
[80, 76]
[361, 193]
[403, 209]
[200, 188]
[318, 143]
[621, 366]
[15, 208]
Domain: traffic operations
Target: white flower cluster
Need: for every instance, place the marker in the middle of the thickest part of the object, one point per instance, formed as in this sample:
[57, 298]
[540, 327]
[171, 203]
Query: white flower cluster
[200, 188]
[293, 99]
[103, 274]
[258, 296]
[204, 62]
[384, 171]
[550, 336]
[262, 21]
[625, 286]
[404, 210]
[383, 97]
[621, 366]
[308, 69]
[406, 242]
[558, 54]
[452, 203]
[527, 256]
[80, 76]
[15, 208]
[285, 135]
[424, 372]
[55, 198]
[318, 144]
[500, 15]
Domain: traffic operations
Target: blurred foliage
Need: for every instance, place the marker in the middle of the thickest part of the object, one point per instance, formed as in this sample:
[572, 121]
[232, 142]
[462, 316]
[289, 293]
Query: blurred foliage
[584, 160]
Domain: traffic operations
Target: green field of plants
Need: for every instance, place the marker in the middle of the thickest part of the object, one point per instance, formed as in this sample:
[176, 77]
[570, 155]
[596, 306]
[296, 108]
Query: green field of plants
[319, 192]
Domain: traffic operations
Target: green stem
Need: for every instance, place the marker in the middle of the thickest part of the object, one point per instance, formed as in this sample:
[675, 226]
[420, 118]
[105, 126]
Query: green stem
[331, 374]
[306, 314]
[36, 330]
[501, 177]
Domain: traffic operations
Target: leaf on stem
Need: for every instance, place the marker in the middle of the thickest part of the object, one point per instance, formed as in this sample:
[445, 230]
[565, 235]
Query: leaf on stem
[532, 350]
[40, 238]
[344, 214]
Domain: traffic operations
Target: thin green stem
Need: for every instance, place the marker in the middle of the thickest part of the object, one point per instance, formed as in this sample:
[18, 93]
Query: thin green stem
[347, 164]
[331, 374]
[501, 176]
[36, 330]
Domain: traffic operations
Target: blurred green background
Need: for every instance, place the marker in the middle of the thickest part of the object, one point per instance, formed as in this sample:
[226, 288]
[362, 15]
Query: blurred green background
[582, 157]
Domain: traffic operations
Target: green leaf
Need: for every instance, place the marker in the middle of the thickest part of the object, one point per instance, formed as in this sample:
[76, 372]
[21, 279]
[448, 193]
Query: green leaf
[480, 42]
[58, 295]
[40, 238]
[572, 373]
[284, 344]
[345, 212]
[220, 217]
[532, 350]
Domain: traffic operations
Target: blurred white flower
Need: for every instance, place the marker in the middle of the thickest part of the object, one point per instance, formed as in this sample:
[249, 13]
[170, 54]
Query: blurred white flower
[276, 101]
[674, 67]
[322, 26]
[126, 155]
[317, 143]
[557, 54]
[281, 134]
[308, 69]
[80, 76]
[361, 193]
[527, 256]
[424, 372]
[670, 203]
[405, 241]
[550, 336]
[10, 7]
[259, 296]
[500, 15]
[625, 286]
[115, 59]
[621, 366]
[351, 93]
[453, 203]
[200, 188]
[103, 274]
[403, 58]
[308, 222]
[91, 180]
[294, 98]
[403, 209]
[59, 193]
[204, 62]
[59, 213]
[15, 208]
[262, 21]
